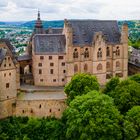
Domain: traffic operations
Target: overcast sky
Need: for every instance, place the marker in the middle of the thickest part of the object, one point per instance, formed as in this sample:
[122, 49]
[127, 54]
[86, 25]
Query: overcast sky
[24, 10]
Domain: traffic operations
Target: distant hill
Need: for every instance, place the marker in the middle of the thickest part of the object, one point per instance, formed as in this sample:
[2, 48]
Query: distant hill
[60, 23]
[16, 23]
[13, 23]
[2, 23]
[46, 24]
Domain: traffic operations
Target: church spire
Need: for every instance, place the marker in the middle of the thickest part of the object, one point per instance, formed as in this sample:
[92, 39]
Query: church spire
[38, 25]
[38, 17]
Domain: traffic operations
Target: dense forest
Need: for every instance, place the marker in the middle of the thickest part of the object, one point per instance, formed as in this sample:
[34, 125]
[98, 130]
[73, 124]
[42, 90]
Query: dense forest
[93, 113]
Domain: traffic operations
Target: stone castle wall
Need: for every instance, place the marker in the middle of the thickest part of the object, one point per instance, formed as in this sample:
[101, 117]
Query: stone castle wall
[7, 108]
[40, 108]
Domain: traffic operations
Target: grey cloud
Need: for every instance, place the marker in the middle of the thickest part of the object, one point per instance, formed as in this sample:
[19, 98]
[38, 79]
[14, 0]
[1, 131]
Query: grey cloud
[3, 3]
[38, 4]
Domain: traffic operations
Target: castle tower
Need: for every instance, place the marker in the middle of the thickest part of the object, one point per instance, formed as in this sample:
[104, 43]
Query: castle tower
[68, 31]
[39, 25]
[124, 41]
[8, 78]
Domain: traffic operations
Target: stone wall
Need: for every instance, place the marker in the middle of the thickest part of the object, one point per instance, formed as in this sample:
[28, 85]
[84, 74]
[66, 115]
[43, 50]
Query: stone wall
[7, 108]
[52, 70]
[40, 108]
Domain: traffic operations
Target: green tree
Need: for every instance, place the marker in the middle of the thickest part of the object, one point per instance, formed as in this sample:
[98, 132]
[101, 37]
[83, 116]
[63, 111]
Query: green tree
[111, 85]
[132, 123]
[81, 84]
[93, 116]
[136, 78]
[126, 95]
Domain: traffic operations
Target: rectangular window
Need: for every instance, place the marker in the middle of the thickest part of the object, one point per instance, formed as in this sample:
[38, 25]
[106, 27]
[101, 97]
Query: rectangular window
[41, 57]
[51, 71]
[40, 64]
[40, 71]
[7, 85]
[63, 80]
[9, 65]
[51, 64]
[64, 71]
[60, 57]
[50, 57]
[63, 63]
[41, 80]
[54, 80]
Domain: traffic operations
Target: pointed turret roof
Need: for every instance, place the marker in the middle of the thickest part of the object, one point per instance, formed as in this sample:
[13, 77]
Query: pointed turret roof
[38, 23]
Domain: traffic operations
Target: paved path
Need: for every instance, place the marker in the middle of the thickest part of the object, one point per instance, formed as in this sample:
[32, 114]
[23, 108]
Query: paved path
[40, 88]
[42, 96]
[30, 92]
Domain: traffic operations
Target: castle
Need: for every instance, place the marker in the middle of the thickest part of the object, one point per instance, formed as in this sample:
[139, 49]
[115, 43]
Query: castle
[53, 56]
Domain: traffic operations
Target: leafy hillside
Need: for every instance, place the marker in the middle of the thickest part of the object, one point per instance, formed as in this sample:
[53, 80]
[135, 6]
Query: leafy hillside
[46, 24]
[2, 23]
[134, 32]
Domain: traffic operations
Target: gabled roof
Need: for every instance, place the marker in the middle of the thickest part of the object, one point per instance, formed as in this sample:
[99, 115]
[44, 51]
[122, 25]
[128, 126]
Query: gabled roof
[54, 30]
[49, 43]
[7, 42]
[10, 49]
[24, 58]
[84, 30]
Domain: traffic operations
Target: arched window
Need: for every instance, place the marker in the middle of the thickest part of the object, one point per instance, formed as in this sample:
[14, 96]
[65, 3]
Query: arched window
[117, 64]
[118, 51]
[85, 68]
[75, 53]
[40, 106]
[99, 53]
[75, 68]
[99, 67]
[107, 51]
[86, 53]
[108, 65]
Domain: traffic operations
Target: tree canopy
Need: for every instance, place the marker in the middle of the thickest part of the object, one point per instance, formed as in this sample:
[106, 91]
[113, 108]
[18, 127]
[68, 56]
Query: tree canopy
[111, 85]
[31, 129]
[136, 78]
[81, 84]
[93, 116]
[126, 95]
[132, 123]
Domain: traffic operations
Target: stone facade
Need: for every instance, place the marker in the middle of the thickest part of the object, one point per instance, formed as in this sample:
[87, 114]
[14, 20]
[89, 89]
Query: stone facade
[54, 56]
[134, 61]
[40, 108]
[8, 74]
[102, 52]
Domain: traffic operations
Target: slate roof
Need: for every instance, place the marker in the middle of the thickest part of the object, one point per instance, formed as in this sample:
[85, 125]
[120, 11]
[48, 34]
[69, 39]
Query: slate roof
[2, 54]
[54, 30]
[24, 57]
[84, 31]
[49, 43]
[12, 49]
